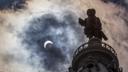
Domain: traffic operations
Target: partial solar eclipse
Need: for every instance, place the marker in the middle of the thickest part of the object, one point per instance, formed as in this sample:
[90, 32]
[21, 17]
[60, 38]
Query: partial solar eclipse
[48, 42]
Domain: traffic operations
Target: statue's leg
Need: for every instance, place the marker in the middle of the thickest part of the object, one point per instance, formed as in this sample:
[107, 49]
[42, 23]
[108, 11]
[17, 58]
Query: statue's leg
[90, 34]
[98, 34]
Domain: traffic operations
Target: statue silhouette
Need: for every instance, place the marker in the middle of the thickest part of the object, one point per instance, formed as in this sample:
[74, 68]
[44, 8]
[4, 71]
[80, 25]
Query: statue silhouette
[92, 25]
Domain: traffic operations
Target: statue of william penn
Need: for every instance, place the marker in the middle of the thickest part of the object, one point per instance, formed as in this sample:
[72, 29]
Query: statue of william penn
[92, 25]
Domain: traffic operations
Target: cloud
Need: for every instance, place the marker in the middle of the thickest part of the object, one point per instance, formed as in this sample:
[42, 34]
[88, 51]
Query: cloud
[57, 21]
[123, 3]
[63, 33]
[12, 4]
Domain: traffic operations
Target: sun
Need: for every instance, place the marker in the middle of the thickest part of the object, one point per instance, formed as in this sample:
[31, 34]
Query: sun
[48, 42]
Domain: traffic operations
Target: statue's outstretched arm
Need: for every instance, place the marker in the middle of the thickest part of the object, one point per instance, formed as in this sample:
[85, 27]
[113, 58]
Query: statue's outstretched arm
[81, 22]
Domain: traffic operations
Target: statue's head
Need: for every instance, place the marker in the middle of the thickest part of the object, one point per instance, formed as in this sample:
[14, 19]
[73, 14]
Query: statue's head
[91, 12]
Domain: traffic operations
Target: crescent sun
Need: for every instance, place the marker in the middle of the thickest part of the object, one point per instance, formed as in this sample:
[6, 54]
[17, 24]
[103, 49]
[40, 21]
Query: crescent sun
[47, 42]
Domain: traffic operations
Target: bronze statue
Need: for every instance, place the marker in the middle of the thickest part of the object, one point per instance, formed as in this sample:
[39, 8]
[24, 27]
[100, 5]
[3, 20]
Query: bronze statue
[92, 25]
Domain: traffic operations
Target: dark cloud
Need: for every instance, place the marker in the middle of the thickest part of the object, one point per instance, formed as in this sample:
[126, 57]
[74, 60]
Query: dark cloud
[123, 3]
[12, 4]
[48, 27]
[54, 58]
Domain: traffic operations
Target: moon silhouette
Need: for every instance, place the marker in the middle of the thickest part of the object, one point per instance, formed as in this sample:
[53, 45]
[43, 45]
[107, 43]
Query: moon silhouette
[47, 42]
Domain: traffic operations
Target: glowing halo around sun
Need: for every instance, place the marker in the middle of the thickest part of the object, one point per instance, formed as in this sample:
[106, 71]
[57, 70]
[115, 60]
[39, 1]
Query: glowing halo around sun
[47, 42]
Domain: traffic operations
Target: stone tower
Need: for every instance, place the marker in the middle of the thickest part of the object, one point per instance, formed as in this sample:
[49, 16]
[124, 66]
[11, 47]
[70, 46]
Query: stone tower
[95, 56]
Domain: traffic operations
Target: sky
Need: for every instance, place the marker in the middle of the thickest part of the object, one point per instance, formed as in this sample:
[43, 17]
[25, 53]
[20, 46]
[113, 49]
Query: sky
[25, 25]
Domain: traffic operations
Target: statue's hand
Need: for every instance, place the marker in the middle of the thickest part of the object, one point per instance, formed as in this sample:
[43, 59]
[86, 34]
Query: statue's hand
[81, 21]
